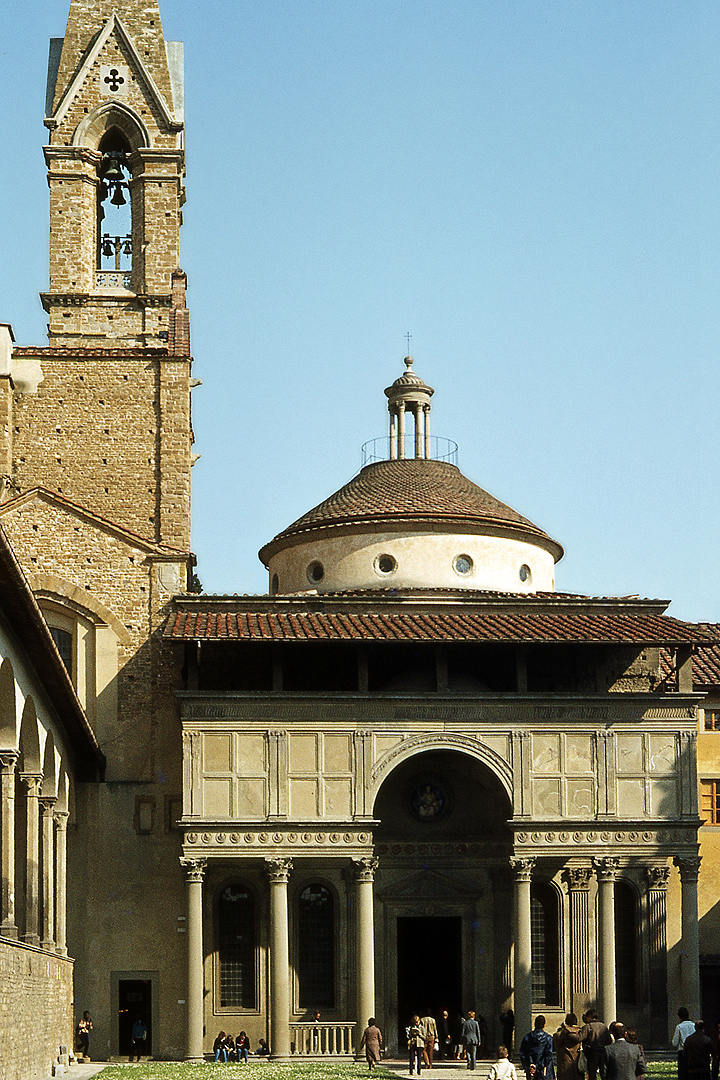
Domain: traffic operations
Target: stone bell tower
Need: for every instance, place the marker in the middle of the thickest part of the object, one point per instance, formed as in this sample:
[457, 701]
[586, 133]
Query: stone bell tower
[115, 170]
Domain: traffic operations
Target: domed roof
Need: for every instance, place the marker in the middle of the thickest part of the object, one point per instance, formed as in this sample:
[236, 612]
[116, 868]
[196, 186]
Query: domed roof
[419, 491]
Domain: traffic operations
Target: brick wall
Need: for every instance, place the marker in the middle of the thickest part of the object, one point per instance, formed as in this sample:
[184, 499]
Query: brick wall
[36, 1010]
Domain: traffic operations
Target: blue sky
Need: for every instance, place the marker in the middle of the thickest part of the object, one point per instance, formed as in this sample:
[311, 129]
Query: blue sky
[529, 188]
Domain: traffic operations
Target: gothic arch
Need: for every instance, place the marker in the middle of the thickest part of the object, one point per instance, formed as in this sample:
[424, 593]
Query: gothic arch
[428, 741]
[8, 717]
[31, 760]
[111, 114]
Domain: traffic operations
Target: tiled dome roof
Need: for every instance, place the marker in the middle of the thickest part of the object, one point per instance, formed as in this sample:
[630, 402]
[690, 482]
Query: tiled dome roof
[414, 490]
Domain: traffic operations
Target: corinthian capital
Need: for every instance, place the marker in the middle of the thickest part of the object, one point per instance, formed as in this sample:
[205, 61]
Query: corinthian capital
[522, 867]
[658, 877]
[194, 868]
[578, 878]
[606, 869]
[365, 868]
[278, 870]
[689, 867]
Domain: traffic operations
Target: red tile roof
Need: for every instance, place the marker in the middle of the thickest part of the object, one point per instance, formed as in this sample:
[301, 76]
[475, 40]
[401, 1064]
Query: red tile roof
[416, 490]
[239, 625]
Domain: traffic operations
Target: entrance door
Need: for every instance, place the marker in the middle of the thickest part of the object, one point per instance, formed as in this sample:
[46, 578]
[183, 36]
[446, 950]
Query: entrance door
[134, 1003]
[429, 976]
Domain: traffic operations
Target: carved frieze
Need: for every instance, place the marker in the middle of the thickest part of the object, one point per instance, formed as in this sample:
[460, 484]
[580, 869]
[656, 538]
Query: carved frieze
[219, 840]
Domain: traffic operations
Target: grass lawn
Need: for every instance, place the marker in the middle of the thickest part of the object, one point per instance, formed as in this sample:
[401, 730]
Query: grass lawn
[291, 1070]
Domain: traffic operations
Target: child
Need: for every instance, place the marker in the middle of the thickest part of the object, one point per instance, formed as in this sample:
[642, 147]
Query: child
[503, 1069]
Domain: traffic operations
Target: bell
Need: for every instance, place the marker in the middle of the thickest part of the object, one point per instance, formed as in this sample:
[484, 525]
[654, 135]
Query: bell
[127, 247]
[112, 172]
[118, 199]
[107, 247]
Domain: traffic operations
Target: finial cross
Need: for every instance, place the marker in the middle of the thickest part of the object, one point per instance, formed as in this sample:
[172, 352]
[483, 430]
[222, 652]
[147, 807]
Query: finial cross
[407, 338]
[114, 80]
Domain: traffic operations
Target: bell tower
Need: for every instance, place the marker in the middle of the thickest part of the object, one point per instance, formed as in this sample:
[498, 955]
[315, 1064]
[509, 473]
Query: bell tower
[115, 164]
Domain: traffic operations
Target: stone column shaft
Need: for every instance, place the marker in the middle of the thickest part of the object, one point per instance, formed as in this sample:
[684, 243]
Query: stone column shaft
[48, 873]
[523, 944]
[689, 867]
[607, 872]
[195, 869]
[401, 429]
[32, 861]
[61, 819]
[419, 431]
[8, 927]
[279, 872]
[578, 879]
[426, 410]
[393, 436]
[364, 942]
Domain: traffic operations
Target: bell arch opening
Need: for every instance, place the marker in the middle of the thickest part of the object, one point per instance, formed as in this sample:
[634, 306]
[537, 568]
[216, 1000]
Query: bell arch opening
[114, 205]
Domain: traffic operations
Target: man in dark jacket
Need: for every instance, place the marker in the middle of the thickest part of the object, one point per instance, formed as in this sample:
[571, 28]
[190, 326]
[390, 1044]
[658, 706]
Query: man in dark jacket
[623, 1060]
[595, 1037]
[698, 1051]
[536, 1053]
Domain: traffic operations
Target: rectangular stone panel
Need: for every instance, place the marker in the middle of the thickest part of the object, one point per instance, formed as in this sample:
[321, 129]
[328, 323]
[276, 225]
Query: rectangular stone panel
[546, 753]
[303, 798]
[498, 743]
[580, 795]
[337, 798]
[662, 754]
[664, 798]
[579, 754]
[250, 755]
[383, 743]
[631, 798]
[546, 798]
[630, 754]
[303, 753]
[250, 799]
[216, 801]
[216, 753]
[336, 750]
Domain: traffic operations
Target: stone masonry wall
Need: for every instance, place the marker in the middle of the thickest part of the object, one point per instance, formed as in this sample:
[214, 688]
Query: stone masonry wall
[36, 1010]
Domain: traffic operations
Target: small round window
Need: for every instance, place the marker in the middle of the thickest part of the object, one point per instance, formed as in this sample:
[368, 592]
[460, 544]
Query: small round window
[463, 564]
[525, 574]
[385, 564]
[315, 572]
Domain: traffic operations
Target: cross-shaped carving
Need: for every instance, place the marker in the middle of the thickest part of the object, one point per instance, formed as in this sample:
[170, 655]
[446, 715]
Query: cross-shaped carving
[114, 80]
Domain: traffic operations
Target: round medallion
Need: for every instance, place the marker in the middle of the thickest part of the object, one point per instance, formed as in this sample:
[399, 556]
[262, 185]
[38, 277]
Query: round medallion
[428, 801]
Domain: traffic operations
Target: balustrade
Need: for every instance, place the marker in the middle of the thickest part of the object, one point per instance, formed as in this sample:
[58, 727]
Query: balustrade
[322, 1040]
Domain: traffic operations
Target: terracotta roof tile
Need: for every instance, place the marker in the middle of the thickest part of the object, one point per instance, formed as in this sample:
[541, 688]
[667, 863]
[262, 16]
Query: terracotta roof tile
[414, 489]
[416, 626]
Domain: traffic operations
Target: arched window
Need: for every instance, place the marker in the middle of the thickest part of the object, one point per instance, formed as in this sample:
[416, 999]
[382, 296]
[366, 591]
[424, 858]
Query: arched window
[114, 205]
[545, 945]
[316, 948]
[626, 930]
[236, 947]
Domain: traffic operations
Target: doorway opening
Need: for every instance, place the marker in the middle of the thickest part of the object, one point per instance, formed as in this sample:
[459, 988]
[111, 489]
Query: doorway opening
[134, 1003]
[429, 971]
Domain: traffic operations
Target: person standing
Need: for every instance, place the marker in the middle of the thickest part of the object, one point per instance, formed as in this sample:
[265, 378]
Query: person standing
[507, 1020]
[83, 1035]
[371, 1042]
[595, 1037]
[683, 1030]
[623, 1060]
[415, 1044]
[536, 1052]
[139, 1034]
[698, 1052]
[444, 1036]
[568, 1043]
[471, 1038]
[429, 1030]
[503, 1068]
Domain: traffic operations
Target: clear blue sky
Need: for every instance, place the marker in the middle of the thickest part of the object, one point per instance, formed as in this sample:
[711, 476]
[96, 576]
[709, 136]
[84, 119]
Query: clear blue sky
[529, 188]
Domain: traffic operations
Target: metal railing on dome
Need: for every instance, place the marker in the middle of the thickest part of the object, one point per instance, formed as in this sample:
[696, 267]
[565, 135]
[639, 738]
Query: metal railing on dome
[441, 449]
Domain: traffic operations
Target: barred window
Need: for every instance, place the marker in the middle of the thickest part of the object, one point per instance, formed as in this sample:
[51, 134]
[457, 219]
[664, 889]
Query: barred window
[236, 947]
[316, 948]
[626, 935]
[712, 719]
[545, 945]
[710, 801]
[64, 643]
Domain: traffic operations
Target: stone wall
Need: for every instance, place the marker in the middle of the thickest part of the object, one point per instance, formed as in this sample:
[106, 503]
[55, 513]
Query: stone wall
[36, 1009]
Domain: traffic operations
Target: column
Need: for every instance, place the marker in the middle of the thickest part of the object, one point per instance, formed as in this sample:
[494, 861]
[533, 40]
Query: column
[278, 871]
[364, 942]
[401, 429]
[8, 761]
[47, 805]
[61, 820]
[607, 871]
[32, 783]
[657, 883]
[426, 410]
[578, 880]
[195, 869]
[689, 867]
[419, 429]
[523, 869]
[393, 435]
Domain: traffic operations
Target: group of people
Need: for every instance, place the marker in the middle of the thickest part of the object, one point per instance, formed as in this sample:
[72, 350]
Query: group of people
[445, 1038]
[582, 1049]
[226, 1048]
[698, 1048]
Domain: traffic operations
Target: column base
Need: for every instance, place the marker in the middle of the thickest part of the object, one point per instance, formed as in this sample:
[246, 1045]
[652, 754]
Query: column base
[32, 939]
[61, 952]
[48, 945]
[9, 930]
